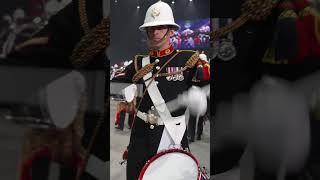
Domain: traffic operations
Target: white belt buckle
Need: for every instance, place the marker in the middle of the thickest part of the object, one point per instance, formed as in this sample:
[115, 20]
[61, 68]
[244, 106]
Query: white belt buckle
[152, 119]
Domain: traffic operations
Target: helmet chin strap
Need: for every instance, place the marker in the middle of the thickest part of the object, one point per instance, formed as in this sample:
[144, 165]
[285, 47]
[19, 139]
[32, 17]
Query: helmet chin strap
[160, 41]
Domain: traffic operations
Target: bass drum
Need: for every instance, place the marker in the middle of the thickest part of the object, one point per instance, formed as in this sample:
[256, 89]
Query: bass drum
[173, 164]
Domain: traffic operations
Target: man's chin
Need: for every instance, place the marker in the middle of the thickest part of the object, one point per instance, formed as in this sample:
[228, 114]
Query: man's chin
[154, 45]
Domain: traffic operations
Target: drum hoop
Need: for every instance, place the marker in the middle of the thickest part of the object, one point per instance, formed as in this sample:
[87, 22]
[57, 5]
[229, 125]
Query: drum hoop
[145, 167]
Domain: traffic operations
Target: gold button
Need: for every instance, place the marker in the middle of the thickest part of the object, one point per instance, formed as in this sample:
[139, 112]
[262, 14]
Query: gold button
[151, 126]
[158, 67]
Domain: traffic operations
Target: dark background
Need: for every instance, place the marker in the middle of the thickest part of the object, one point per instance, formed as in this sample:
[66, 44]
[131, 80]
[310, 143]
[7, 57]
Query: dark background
[239, 75]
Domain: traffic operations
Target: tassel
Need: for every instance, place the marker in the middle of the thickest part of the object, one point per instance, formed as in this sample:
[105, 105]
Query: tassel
[287, 42]
[284, 45]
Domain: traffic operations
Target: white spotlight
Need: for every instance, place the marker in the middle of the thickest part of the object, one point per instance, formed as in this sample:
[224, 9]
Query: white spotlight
[190, 0]
[172, 2]
[138, 7]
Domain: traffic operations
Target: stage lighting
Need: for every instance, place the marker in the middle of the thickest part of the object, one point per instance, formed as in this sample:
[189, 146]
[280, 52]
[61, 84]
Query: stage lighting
[138, 7]
[190, 0]
[172, 2]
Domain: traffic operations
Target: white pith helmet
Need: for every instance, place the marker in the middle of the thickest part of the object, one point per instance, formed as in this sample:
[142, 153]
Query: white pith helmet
[158, 14]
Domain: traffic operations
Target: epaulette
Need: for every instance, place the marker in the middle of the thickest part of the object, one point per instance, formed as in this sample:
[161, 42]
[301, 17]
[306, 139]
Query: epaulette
[136, 61]
[192, 61]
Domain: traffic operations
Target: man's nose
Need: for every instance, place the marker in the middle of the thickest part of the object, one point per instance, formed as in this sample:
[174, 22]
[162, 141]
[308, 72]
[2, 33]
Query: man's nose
[155, 31]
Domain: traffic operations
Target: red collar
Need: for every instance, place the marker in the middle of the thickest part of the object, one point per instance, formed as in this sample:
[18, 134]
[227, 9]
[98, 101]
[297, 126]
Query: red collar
[161, 53]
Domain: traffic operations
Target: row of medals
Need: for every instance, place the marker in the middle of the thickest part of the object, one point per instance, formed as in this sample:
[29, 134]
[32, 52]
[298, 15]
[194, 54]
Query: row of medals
[175, 77]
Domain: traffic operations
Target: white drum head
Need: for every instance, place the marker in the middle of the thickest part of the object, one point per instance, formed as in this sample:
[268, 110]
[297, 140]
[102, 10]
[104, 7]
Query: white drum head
[63, 98]
[129, 92]
[173, 166]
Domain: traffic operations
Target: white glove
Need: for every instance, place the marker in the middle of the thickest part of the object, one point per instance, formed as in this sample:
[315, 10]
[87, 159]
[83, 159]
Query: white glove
[130, 92]
[196, 101]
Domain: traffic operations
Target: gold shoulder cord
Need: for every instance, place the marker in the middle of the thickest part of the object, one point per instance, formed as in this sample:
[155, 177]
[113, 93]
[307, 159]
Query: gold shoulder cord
[143, 71]
[149, 67]
[255, 10]
[83, 16]
[96, 41]
[93, 42]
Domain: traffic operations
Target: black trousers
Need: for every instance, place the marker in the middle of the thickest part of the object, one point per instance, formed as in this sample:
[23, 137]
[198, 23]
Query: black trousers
[192, 126]
[130, 119]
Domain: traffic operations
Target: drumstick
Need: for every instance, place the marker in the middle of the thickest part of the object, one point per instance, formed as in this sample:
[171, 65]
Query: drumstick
[175, 104]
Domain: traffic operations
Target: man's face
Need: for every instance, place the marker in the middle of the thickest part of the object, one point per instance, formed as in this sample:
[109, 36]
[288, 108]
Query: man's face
[158, 36]
[156, 33]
